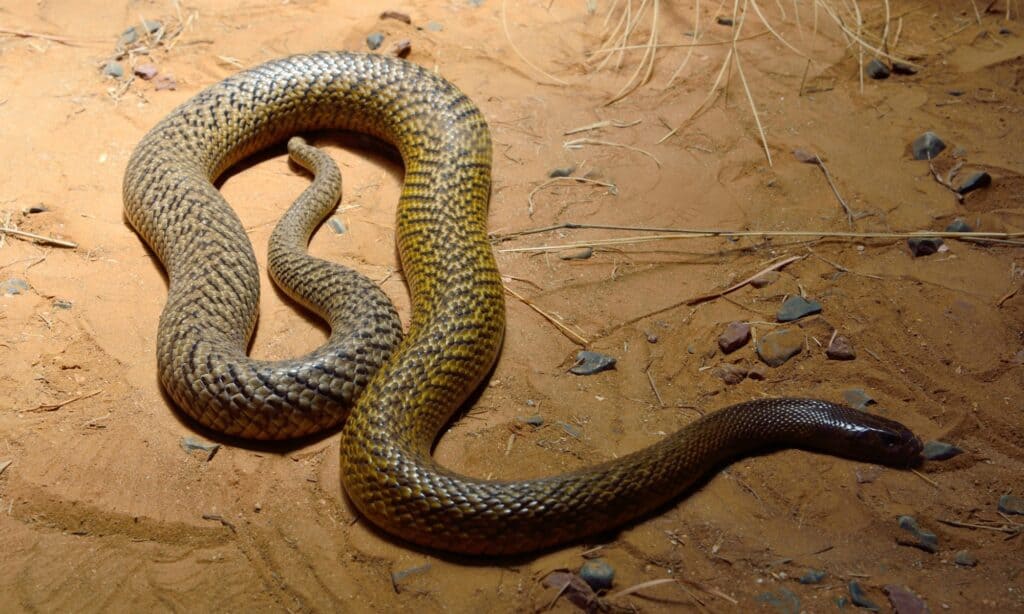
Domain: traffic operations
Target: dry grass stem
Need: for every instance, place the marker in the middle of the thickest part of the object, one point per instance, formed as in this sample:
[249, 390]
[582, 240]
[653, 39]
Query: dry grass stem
[602, 124]
[579, 143]
[515, 48]
[772, 267]
[39, 238]
[612, 188]
[568, 332]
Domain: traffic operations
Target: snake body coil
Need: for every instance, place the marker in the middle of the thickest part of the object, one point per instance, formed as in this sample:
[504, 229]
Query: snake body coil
[455, 331]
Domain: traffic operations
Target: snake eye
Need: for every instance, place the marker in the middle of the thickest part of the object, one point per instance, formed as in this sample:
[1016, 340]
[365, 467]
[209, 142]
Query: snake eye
[889, 439]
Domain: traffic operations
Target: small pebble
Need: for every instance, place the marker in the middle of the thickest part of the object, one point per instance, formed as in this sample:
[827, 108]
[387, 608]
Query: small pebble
[652, 338]
[964, 558]
[598, 574]
[784, 601]
[588, 363]
[572, 430]
[1006, 31]
[926, 540]
[1009, 504]
[903, 601]
[924, 246]
[758, 372]
[578, 253]
[401, 49]
[723, 21]
[62, 304]
[565, 171]
[735, 336]
[534, 420]
[900, 68]
[396, 16]
[780, 345]
[857, 398]
[152, 25]
[765, 279]
[812, 576]
[10, 287]
[927, 146]
[145, 71]
[841, 602]
[257, 507]
[336, 225]
[797, 307]
[730, 374]
[859, 598]
[955, 92]
[375, 40]
[128, 37]
[191, 444]
[165, 82]
[113, 69]
[37, 209]
[434, 26]
[840, 349]
[876, 70]
[975, 182]
[940, 450]
[959, 225]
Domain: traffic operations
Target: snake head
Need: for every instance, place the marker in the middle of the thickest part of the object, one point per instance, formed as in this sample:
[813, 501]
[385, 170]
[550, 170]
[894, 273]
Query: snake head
[874, 439]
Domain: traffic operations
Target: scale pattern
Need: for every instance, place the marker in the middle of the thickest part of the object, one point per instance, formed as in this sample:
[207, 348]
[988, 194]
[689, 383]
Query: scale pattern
[403, 395]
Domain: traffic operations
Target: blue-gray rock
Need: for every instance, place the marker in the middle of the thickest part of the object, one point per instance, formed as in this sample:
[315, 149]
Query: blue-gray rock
[336, 225]
[857, 398]
[564, 171]
[190, 444]
[812, 576]
[860, 599]
[940, 450]
[924, 246]
[876, 70]
[128, 37]
[927, 146]
[534, 420]
[598, 574]
[778, 346]
[570, 429]
[959, 225]
[840, 348]
[974, 182]
[735, 336]
[61, 303]
[113, 69]
[924, 539]
[152, 25]
[588, 363]
[797, 307]
[434, 26]
[475, 2]
[784, 601]
[901, 68]
[10, 287]
[1009, 504]
[964, 558]
[375, 40]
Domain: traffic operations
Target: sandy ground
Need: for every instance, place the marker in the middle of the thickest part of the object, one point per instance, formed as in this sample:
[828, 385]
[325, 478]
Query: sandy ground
[102, 509]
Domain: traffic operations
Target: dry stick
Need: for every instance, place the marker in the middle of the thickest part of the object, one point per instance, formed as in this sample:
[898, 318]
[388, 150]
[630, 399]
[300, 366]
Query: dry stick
[971, 525]
[639, 587]
[42, 239]
[55, 406]
[508, 36]
[578, 143]
[575, 180]
[602, 124]
[925, 478]
[50, 37]
[654, 386]
[568, 332]
[810, 158]
[1008, 296]
[773, 267]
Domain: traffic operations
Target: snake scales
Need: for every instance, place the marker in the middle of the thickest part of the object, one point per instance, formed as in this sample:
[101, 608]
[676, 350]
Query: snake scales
[403, 396]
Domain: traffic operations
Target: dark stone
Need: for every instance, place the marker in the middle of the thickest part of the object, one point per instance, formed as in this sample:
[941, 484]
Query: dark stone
[927, 146]
[975, 182]
[959, 225]
[588, 363]
[940, 450]
[924, 246]
[397, 16]
[812, 576]
[735, 336]
[903, 601]
[964, 558]
[778, 346]
[1009, 504]
[113, 69]
[757, 372]
[128, 37]
[797, 307]
[652, 338]
[534, 420]
[598, 574]
[857, 398]
[924, 539]
[730, 374]
[860, 599]
[565, 171]
[840, 349]
[61, 303]
[876, 70]
[723, 21]
[955, 92]
[145, 71]
[578, 253]
[375, 40]
[37, 209]
[901, 68]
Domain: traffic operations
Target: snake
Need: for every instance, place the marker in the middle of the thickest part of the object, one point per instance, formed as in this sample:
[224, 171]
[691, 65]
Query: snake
[392, 391]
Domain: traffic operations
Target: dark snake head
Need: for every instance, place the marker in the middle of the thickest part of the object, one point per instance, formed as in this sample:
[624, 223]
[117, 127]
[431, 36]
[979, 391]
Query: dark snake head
[874, 439]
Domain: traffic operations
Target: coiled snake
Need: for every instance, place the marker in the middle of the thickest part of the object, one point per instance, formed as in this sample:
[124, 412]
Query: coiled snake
[403, 396]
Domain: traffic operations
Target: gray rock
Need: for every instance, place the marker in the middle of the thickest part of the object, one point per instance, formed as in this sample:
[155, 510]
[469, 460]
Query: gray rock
[651, 338]
[840, 349]
[876, 70]
[901, 68]
[924, 246]
[959, 225]
[564, 171]
[128, 37]
[857, 398]
[598, 574]
[10, 287]
[927, 146]
[375, 40]
[797, 307]
[964, 558]
[61, 303]
[778, 346]
[812, 576]
[735, 336]
[570, 429]
[145, 71]
[1009, 504]
[534, 420]
[152, 25]
[940, 450]
[730, 374]
[784, 601]
[336, 225]
[975, 182]
[923, 538]
[765, 279]
[113, 69]
[903, 600]
[588, 363]
[860, 599]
